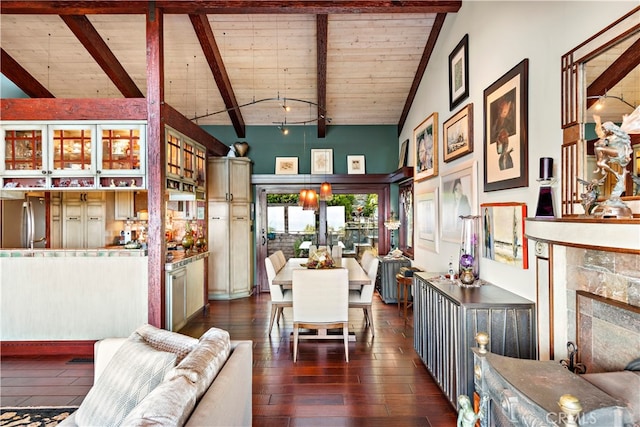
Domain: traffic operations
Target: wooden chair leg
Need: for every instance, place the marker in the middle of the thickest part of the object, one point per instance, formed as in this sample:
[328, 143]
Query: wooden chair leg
[370, 317]
[366, 316]
[345, 334]
[295, 343]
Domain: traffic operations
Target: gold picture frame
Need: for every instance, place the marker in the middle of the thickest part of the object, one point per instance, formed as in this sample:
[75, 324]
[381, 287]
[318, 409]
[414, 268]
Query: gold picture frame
[425, 142]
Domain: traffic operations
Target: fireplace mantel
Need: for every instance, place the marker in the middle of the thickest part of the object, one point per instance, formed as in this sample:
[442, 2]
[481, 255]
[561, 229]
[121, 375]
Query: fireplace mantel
[615, 235]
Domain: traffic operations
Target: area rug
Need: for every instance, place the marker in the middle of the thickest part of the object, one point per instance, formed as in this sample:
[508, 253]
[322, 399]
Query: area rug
[35, 416]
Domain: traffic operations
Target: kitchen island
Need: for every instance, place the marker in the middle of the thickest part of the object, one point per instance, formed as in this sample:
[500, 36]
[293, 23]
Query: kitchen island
[72, 294]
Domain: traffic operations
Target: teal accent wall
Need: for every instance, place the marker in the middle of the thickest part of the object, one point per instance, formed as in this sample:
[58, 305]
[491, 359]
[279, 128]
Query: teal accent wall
[379, 145]
[9, 90]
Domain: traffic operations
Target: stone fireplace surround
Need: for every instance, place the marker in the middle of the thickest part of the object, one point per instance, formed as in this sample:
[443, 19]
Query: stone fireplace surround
[595, 281]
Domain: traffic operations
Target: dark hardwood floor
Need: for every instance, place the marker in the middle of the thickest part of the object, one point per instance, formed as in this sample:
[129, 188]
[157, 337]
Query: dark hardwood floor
[384, 383]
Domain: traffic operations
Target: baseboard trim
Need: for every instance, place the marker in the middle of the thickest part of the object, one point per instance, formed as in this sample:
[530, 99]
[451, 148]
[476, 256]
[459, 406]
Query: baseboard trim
[46, 348]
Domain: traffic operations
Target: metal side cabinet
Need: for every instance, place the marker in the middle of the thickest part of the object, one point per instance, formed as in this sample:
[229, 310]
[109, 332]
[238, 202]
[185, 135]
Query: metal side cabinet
[447, 318]
[386, 286]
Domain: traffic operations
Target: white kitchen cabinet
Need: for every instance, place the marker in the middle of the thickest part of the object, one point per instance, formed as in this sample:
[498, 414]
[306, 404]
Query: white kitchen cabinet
[176, 285]
[229, 179]
[184, 290]
[124, 206]
[83, 220]
[229, 238]
[86, 155]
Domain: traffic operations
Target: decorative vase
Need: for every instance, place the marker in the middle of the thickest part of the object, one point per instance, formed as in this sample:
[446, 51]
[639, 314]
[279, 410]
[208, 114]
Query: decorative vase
[469, 262]
[187, 241]
[201, 243]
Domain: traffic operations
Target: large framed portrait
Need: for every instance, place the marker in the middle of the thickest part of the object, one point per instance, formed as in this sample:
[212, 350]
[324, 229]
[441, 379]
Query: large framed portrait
[458, 134]
[459, 73]
[503, 233]
[506, 129]
[459, 189]
[322, 161]
[425, 141]
[427, 219]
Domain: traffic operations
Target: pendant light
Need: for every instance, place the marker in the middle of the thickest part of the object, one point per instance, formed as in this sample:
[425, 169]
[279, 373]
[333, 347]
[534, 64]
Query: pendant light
[325, 191]
[310, 200]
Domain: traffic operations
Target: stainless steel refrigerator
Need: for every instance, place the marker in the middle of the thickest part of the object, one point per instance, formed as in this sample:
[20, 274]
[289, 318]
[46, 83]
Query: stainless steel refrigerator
[23, 222]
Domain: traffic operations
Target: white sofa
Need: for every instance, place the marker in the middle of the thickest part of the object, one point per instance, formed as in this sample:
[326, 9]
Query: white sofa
[224, 399]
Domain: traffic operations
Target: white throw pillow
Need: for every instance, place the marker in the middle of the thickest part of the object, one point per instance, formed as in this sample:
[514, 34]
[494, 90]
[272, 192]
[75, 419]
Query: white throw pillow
[164, 340]
[169, 404]
[205, 361]
[133, 372]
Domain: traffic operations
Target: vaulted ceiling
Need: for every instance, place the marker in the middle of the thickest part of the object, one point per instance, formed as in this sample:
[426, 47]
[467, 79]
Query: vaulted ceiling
[330, 62]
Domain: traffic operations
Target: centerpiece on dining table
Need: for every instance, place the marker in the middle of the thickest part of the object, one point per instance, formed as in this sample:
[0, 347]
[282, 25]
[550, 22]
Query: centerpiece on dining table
[320, 259]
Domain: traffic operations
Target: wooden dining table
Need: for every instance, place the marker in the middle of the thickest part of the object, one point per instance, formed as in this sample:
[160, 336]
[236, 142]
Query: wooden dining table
[357, 278]
[357, 275]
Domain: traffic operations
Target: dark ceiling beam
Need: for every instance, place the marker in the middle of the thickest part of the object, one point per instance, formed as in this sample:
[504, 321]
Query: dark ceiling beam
[617, 71]
[86, 34]
[321, 48]
[317, 7]
[21, 77]
[216, 65]
[426, 54]
[179, 122]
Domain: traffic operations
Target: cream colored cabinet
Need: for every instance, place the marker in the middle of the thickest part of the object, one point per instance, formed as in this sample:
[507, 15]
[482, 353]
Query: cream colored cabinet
[229, 179]
[184, 292]
[83, 220]
[123, 205]
[229, 231]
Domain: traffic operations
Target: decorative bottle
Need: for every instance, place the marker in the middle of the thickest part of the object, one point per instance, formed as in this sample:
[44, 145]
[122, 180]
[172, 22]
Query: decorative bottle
[469, 262]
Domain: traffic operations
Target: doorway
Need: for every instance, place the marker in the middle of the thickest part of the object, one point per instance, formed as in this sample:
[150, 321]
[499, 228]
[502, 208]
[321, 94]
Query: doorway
[353, 219]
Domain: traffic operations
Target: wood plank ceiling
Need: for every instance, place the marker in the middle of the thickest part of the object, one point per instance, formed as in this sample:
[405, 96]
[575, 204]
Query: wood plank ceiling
[361, 62]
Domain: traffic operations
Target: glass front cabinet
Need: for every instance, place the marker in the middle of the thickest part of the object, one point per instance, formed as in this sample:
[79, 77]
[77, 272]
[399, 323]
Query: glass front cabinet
[186, 164]
[77, 155]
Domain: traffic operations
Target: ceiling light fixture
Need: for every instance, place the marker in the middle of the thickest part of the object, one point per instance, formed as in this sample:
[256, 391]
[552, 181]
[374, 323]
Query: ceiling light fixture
[602, 101]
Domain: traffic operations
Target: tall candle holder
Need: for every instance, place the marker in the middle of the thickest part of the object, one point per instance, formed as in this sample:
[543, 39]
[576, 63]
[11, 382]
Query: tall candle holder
[545, 196]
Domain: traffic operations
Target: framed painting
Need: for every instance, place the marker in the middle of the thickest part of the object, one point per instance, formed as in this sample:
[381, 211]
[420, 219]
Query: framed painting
[425, 141]
[458, 134]
[355, 165]
[322, 161]
[286, 165]
[427, 220]
[505, 130]
[503, 233]
[459, 73]
[458, 198]
[402, 157]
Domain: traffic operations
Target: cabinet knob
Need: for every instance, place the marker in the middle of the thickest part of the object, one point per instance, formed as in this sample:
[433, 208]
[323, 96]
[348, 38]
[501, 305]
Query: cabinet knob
[98, 172]
[44, 172]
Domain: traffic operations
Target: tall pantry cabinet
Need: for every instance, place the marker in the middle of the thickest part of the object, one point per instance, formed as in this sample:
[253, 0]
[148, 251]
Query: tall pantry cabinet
[229, 231]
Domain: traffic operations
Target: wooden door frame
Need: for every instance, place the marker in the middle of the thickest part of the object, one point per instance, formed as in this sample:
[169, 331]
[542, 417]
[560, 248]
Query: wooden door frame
[384, 210]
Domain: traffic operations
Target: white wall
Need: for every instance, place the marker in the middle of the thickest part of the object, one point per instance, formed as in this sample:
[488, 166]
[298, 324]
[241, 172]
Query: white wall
[501, 35]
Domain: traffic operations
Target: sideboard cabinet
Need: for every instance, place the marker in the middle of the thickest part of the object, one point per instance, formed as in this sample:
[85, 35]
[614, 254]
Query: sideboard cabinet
[447, 318]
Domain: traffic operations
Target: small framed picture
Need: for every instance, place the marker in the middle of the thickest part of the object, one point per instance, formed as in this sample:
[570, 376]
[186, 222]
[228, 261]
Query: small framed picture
[506, 130]
[322, 161]
[425, 141]
[503, 230]
[402, 158]
[286, 165]
[458, 134]
[459, 73]
[355, 164]
[427, 216]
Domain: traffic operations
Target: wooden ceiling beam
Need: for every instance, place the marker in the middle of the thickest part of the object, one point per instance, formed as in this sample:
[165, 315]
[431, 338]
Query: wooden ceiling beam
[86, 34]
[426, 55]
[216, 65]
[21, 77]
[177, 121]
[617, 71]
[73, 109]
[322, 24]
[316, 7]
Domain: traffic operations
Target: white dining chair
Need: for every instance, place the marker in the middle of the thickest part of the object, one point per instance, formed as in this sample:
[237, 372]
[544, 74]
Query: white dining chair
[363, 297]
[367, 257]
[320, 301]
[280, 299]
[282, 260]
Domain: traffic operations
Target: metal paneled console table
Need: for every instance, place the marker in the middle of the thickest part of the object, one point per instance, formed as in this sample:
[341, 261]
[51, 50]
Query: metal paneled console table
[447, 317]
[386, 285]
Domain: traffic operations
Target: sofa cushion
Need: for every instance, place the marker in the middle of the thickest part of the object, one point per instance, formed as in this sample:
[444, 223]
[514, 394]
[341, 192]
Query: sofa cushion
[135, 369]
[203, 363]
[164, 340]
[169, 404]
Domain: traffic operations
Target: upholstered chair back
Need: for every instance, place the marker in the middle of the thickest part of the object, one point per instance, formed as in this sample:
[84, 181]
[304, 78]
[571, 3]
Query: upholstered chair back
[321, 296]
[276, 290]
